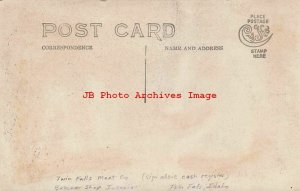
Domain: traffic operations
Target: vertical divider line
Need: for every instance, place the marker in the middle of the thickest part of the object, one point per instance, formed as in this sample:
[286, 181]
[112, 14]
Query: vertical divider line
[145, 99]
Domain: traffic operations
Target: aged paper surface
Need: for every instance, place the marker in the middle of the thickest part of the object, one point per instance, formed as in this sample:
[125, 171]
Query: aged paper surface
[156, 95]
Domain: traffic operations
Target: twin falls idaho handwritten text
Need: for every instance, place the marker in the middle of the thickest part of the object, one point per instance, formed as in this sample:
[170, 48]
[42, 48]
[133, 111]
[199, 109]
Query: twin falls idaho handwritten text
[162, 182]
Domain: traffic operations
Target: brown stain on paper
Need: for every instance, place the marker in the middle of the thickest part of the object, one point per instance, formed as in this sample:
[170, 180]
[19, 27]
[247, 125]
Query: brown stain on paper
[34, 168]
[200, 162]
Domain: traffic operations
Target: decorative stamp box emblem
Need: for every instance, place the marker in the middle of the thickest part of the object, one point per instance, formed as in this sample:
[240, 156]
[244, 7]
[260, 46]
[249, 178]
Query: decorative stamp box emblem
[256, 33]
